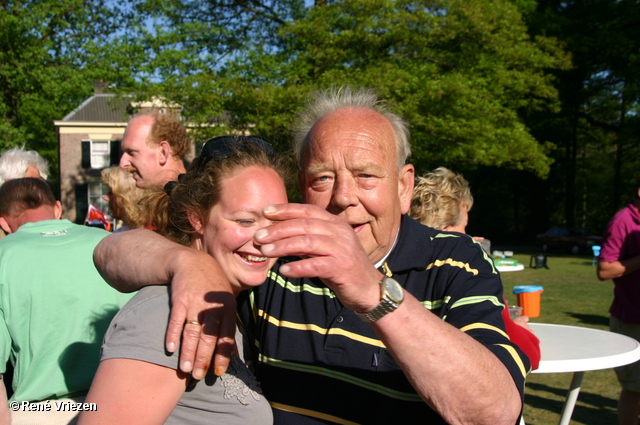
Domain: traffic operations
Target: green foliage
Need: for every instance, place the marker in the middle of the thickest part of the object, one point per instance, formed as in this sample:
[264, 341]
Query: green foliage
[47, 64]
[596, 131]
[461, 72]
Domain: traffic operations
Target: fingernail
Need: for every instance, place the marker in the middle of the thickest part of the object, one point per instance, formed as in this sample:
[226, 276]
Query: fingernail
[171, 347]
[261, 233]
[266, 249]
[187, 366]
[198, 374]
[269, 209]
[220, 370]
[285, 269]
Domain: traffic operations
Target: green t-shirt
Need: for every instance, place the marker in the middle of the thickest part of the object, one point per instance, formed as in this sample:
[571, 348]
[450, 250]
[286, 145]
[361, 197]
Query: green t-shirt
[54, 309]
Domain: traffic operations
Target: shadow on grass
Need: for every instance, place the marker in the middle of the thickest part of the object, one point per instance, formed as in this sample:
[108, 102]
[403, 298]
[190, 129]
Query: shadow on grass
[590, 319]
[592, 409]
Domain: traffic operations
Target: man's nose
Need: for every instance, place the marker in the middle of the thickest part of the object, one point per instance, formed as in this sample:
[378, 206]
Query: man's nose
[344, 193]
[124, 161]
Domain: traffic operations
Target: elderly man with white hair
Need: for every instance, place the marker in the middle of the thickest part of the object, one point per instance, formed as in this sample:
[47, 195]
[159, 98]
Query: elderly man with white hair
[377, 318]
[17, 163]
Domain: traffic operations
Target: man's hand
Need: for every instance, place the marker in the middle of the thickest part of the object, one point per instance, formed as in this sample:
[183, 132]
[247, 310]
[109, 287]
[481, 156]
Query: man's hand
[203, 312]
[331, 251]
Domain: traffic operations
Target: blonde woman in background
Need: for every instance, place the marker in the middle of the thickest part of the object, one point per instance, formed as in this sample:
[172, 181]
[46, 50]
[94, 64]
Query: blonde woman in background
[442, 200]
[124, 198]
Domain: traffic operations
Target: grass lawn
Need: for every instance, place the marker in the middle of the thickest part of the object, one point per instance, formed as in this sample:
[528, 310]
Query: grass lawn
[572, 296]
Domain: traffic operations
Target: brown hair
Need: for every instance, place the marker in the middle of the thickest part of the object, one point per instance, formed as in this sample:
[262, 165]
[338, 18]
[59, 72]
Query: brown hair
[437, 197]
[199, 190]
[168, 128]
[27, 193]
[127, 195]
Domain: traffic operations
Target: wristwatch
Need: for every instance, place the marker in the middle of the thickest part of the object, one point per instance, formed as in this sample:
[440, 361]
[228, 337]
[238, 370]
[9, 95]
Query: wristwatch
[392, 297]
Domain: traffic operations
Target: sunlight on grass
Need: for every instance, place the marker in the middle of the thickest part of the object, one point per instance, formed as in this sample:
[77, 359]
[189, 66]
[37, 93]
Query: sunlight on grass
[572, 296]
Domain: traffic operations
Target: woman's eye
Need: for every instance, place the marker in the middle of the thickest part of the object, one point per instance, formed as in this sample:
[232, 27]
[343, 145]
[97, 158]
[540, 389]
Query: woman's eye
[245, 222]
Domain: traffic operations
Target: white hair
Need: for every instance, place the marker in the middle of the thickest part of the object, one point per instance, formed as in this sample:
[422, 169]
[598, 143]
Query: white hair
[14, 164]
[324, 102]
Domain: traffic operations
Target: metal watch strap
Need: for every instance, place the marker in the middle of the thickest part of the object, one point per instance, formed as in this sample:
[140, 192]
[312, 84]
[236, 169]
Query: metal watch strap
[387, 305]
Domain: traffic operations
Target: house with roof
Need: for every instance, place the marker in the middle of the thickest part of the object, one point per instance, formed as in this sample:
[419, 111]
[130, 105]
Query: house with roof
[89, 141]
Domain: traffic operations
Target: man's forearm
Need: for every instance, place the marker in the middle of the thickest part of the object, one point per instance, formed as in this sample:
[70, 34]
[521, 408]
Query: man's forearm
[135, 258]
[615, 269]
[458, 377]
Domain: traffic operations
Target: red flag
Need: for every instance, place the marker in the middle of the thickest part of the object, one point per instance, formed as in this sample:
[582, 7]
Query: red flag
[95, 216]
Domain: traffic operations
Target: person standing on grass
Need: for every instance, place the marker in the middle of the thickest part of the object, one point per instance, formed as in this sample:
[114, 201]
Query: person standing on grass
[620, 260]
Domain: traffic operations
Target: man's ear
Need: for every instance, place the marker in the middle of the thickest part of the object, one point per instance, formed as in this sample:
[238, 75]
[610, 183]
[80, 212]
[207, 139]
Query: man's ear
[405, 187]
[196, 222]
[164, 152]
[5, 225]
[57, 210]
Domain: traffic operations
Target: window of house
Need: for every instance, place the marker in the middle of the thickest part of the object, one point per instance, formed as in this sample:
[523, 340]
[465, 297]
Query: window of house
[97, 190]
[98, 154]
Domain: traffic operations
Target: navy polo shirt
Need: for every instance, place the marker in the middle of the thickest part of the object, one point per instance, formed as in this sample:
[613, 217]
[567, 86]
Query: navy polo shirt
[319, 363]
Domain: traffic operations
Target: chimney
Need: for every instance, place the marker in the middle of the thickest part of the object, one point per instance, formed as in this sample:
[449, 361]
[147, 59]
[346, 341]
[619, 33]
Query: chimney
[100, 86]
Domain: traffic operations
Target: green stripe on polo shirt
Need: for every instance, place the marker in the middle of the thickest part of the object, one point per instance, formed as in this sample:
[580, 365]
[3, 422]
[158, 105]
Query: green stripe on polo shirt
[333, 374]
[432, 305]
[284, 283]
[477, 300]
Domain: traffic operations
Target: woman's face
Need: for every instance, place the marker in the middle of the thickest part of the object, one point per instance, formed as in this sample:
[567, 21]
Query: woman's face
[228, 234]
[112, 198]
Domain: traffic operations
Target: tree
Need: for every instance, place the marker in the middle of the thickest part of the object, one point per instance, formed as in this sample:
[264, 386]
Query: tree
[50, 54]
[596, 129]
[461, 72]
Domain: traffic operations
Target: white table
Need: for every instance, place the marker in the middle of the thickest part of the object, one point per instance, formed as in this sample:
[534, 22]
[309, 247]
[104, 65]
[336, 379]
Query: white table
[577, 349]
[510, 268]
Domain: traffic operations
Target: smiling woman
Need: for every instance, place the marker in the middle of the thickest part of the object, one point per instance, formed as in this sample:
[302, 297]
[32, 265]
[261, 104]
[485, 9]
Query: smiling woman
[215, 207]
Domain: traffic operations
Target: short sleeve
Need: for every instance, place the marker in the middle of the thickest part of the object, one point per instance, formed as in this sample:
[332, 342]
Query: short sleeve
[138, 331]
[614, 236]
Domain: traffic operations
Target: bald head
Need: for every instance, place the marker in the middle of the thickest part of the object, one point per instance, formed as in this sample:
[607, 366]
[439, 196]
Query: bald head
[153, 147]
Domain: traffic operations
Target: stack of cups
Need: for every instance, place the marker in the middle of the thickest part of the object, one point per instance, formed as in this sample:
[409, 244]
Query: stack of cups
[529, 299]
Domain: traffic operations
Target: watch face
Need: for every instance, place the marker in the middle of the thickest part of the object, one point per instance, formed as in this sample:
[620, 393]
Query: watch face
[393, 288]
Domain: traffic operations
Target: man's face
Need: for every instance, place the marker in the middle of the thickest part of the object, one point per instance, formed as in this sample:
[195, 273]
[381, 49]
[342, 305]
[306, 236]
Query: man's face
[350, 169]
[139, 158]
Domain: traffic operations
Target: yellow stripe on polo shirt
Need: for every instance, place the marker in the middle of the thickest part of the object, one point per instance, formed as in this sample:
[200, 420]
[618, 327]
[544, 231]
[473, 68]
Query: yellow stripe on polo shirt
[453, 263]
[341, 376]
[312, 413]
[479, 325]
[516, 358]
[322, 331]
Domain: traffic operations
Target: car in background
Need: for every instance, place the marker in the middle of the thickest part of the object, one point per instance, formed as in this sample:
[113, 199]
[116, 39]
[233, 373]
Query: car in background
[573, 240]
